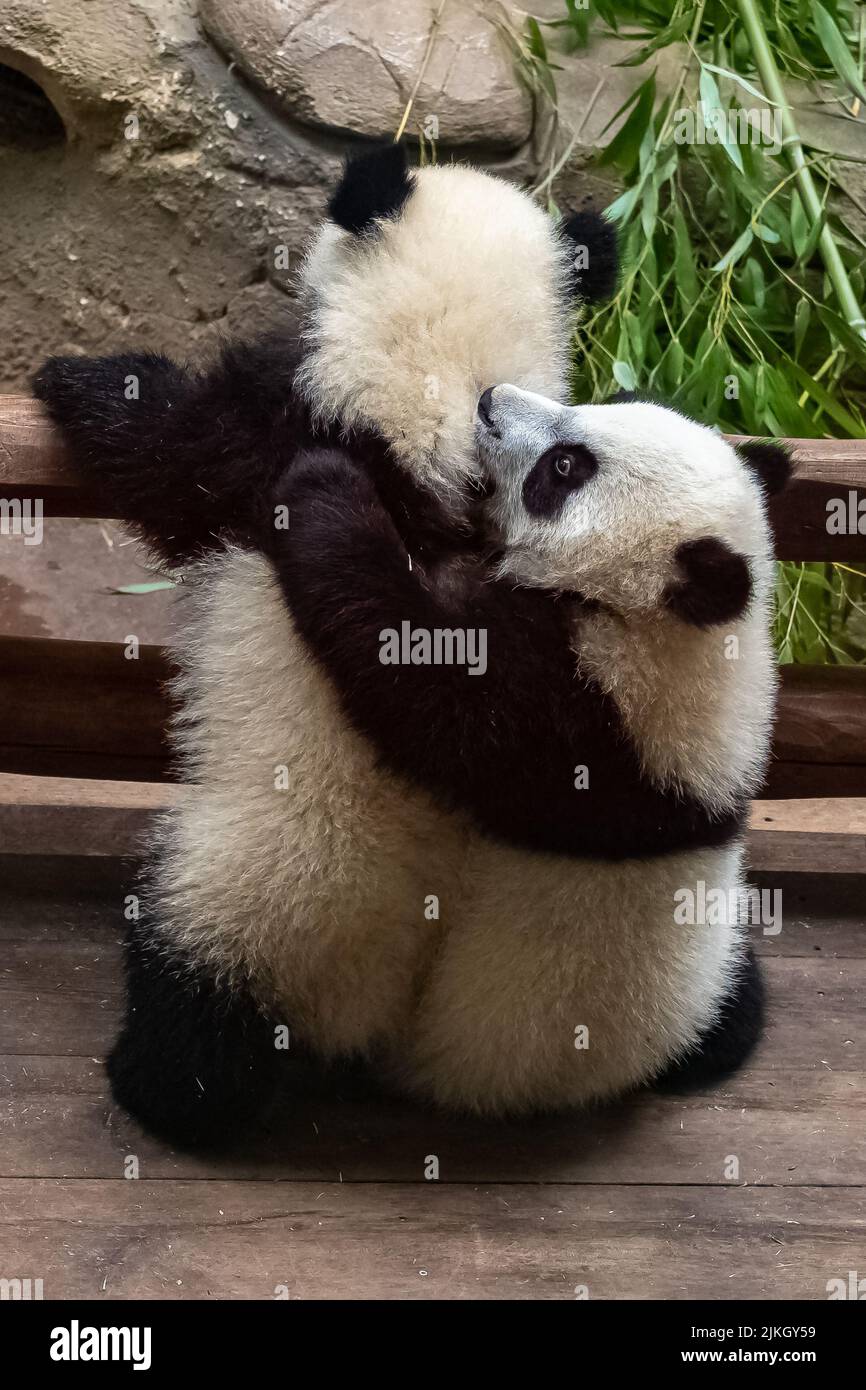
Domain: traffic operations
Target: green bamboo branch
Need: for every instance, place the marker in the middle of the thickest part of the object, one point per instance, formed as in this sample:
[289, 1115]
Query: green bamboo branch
[793, 146]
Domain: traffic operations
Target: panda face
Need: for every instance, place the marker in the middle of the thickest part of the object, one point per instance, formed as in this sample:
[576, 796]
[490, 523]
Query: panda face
[424, 286]
[632, 505]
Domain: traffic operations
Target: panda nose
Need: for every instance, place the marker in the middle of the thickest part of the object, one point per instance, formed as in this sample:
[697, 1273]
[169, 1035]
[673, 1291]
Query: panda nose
[485, 403]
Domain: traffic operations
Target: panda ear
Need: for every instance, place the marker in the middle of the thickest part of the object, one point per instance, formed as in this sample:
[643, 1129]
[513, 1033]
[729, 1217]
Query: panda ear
[592, 241]
[374, 184]
[769, 461]
[714, 583]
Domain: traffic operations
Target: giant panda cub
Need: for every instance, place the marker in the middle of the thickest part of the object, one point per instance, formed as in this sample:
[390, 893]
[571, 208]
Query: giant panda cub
[288, 888]
[626, 618]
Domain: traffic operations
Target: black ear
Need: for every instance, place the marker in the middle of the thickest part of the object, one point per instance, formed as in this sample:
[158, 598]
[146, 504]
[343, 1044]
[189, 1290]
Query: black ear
[715, 583]
[770, 461]
[374, 184]
[595, 254]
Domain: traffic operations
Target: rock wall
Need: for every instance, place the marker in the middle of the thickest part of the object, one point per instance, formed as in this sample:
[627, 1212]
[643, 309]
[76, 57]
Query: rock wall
[162, 163]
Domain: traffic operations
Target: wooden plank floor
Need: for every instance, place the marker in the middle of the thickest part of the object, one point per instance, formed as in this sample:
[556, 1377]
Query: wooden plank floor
[631, 1202]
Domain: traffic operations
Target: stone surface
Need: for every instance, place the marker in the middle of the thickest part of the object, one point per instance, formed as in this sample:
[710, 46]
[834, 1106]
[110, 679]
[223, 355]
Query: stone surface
[153, 214]
[97, 60]
[146, 187]
[352, 67]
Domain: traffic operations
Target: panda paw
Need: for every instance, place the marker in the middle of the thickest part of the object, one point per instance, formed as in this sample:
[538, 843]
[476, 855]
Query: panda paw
[192, 1103]
[325, 486]
[728, 1044]
[108, 402]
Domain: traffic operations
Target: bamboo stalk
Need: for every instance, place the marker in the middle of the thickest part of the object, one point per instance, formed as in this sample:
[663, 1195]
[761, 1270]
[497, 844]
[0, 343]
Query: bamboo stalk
[431, 39]
[793, 146]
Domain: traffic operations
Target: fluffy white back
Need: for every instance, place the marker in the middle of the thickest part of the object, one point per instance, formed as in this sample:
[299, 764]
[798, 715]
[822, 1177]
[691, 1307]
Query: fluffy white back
[318, 887]
[467, 287]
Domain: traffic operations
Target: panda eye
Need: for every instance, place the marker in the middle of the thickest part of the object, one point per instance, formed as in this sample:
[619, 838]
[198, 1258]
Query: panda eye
[561, 470]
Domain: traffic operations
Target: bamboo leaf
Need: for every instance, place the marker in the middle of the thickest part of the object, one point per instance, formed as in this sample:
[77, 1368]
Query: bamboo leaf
[802, 316]
[622, 208]
[535, 39]
[672, 34]
[684, 260]
[624, 376]
[624, 148]
[833, 407]
[150, 587]
[739, 248]
[735, 77]
[716, 116]
[837, 49]
[766, 233]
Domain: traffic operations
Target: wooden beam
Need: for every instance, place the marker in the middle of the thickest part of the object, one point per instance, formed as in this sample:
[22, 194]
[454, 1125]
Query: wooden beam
[825, 469]
[81, 709]
[822, 715]
[32, 464]
[78, 816]
[95, 818]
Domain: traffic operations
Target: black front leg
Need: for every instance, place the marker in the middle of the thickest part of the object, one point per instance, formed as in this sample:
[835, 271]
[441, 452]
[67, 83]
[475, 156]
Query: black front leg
[196, 1060]
[349, 581]
[469, 730]
[188, 457]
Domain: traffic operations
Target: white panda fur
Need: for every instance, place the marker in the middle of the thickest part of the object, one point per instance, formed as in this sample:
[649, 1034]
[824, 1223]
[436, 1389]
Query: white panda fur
[405, 329]
[318, 891]
[322, 886]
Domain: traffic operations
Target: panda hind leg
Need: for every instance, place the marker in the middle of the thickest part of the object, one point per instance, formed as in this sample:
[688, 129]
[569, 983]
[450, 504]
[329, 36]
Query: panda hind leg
[728, 1044]
[195, 1062]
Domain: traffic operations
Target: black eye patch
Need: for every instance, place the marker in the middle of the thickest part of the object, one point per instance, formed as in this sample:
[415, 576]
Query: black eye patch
[560, 471]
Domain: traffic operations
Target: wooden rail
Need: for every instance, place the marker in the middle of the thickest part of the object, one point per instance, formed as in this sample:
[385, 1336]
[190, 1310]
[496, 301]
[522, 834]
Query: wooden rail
[32, 464]
[80, 709]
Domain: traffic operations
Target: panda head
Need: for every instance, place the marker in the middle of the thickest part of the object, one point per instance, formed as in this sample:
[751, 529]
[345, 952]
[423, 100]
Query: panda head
[423, 286]
[630, 504]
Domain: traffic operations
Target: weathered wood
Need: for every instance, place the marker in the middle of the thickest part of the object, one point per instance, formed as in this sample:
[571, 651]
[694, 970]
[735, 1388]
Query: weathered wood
[65, 816]
[330, 1199]
[32, 464]
[819, 741]
[827, 834]
[788, 851]
[816, 815]
[63, 999]
[787, 1126]
[81, 709]
[60, 994]
[79, 816]
[822, 715]
[173, 1240]
[825, 470]
[52, 898]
